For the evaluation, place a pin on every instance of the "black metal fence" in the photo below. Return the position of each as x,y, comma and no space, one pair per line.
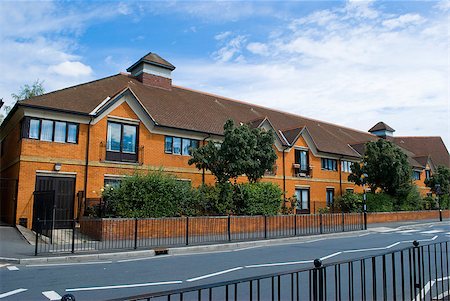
90,234
414,273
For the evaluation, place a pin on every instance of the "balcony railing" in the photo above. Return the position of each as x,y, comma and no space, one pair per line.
302,173
107,156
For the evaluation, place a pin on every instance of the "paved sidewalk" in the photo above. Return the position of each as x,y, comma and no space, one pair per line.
14,248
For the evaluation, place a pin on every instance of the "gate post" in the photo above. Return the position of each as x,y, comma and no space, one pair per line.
73,235
343,222
321,224
135,232
187,230
229,227
265,227
37,237
318,281
417,268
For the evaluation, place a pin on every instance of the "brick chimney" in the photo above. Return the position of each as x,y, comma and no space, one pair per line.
152,70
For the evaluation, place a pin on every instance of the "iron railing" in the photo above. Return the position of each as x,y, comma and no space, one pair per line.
414,273
123,233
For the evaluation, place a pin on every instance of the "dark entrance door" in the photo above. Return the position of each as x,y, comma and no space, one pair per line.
44,212
64,188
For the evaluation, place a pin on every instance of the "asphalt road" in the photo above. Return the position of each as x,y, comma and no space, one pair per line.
113,279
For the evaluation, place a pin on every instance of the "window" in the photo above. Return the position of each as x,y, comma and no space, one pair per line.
330,196
427,174
180,146
168,144
329,164
60,131
301,158
50,130
346,166
35,126
302,196
121,142
112,182
349,190
416,175
47,130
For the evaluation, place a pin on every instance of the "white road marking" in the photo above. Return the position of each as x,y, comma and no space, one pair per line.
12,268
144,258
278,264
214,274
246,248
7,294
431,231
66,264
407,231
421,295
94,288
51,295
331,255
4,265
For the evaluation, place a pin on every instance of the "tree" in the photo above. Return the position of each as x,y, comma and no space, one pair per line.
441,177
25,92
387,168
243,151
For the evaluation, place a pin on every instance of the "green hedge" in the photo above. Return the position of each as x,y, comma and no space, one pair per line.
257,199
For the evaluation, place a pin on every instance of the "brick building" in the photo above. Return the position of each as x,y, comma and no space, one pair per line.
76,140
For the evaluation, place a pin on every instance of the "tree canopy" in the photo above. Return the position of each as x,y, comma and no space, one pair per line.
243,151
440,177
386,167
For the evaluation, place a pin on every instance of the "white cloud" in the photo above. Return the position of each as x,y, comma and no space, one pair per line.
231,47
71,69
403,21
344,66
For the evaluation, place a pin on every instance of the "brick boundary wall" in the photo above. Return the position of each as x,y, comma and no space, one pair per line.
386,217
124,228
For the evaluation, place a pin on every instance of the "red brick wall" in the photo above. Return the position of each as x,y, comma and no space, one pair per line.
385,217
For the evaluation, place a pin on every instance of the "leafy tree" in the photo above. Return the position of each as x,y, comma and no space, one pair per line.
25,92
387,168
441,177
243,151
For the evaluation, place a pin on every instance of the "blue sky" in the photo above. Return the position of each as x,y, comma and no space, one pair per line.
353,63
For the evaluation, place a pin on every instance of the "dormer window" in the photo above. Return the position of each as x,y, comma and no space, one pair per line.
301,164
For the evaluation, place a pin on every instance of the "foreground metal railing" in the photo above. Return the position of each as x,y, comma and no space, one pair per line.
414,273
87,234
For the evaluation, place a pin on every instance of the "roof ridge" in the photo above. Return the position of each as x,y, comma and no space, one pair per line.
417,137
271,109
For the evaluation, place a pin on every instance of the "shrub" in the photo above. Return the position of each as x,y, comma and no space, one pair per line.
429,203
412,201
379,202
152,195
215,200
349,202
257,198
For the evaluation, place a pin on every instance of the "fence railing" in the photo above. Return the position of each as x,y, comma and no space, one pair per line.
414,273
122,233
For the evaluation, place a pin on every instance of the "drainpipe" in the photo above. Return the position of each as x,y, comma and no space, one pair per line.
86,166
203,169
284,175
340,175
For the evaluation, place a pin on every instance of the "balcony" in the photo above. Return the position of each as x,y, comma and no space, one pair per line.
301,173
121,157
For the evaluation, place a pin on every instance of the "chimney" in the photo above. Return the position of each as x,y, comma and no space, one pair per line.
382,130
152,70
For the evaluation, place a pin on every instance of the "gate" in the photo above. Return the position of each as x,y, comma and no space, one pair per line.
64,197
44,212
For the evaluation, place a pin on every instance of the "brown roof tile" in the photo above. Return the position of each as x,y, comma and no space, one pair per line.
153,59
424,146
381,126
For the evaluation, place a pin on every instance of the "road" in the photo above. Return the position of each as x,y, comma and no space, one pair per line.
113,279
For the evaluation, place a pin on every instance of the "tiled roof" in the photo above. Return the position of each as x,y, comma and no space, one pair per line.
424,146
381,126
202,112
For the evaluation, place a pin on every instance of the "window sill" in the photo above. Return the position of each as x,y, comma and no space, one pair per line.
120,162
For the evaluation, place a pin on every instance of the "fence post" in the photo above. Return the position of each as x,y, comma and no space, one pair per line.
343,222
440,214
365,219
187,230
265,227
229,227
318,287
37,237
73,236
295,224
135,232
417,269
320,221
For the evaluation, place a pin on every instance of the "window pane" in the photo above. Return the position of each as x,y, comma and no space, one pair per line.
72,133
305,199
168,145
129,139
47,130
60,131
34,129
303,160
194,145
186,146
114,136
298,195
112,182
177,145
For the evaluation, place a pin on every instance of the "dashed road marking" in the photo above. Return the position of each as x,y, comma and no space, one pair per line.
51,295
66,264
263,265
407,231
432,231
94,288
12,268
214,274
10,293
